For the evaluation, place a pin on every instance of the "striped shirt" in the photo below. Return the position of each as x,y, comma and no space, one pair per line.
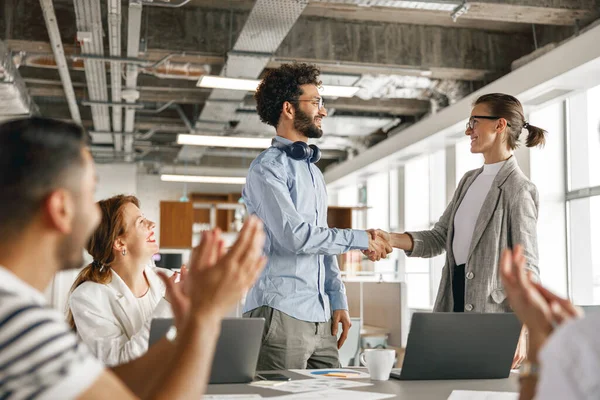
40,357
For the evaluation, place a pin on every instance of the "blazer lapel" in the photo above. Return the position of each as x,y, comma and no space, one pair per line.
491,203
131,318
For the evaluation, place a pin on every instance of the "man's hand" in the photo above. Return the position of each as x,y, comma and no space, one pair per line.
204,256
344,317
216,282
174,294
379,244
521,352
537,308
219,288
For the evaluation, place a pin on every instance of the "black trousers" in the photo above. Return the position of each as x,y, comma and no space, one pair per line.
458,288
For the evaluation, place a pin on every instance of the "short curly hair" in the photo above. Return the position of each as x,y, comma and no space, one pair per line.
281,85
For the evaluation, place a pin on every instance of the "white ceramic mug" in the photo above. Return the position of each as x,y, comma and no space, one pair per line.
379,362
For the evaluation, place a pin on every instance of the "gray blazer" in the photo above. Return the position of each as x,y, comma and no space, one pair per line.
508,216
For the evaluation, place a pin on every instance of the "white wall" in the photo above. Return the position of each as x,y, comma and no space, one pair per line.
115,179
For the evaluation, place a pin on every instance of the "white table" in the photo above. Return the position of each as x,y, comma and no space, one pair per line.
420,390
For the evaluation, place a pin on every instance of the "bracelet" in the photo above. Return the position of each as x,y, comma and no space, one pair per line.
529,370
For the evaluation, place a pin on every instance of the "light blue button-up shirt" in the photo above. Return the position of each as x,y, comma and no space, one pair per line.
302,277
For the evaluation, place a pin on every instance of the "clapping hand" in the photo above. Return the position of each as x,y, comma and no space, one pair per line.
537,308
216,280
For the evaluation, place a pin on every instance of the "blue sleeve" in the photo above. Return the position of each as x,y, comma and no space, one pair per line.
267,191
334,287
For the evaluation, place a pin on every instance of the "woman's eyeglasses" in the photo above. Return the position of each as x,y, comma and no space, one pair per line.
471,123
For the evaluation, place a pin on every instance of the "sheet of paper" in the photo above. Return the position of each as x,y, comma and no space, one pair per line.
480,395
338,373
232,396
310,385
334,394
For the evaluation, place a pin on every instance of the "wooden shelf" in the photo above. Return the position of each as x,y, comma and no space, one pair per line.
176,219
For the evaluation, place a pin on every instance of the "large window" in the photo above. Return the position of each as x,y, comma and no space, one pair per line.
425,201
378,217
547,171
583,197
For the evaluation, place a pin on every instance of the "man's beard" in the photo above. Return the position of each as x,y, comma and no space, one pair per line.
306,126
70,249
70,255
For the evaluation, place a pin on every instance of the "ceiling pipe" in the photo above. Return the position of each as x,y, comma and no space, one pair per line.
88,18
114,43
166,5
59,56
131,94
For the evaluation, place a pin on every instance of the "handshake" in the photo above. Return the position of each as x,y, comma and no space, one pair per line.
379,244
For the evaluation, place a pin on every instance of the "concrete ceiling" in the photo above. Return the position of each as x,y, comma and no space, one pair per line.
408,62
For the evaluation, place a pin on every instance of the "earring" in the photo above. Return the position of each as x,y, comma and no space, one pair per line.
124,252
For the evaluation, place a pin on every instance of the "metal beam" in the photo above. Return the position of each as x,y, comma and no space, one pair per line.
348,11
59,55
151,56
543,12
389,106
147,94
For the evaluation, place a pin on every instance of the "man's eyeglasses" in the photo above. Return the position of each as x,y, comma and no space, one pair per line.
320,103
471,123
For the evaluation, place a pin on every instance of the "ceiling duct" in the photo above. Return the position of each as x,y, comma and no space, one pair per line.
114,43
59,56
89,34
131,94
14,99
267,25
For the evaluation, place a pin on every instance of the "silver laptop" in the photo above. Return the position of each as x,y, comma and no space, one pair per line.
459,346
237,348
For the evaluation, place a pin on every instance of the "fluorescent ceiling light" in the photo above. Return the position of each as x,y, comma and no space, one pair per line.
234,180
250,85
224,141
221,82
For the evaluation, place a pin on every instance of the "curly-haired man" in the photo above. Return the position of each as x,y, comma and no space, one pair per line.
300,294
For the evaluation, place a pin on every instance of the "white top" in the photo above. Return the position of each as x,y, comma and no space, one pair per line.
146,304
570,361
113,322
468,211
40,357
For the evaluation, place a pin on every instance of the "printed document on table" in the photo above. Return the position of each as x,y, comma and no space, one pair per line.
480,395
335,394
311,385
336,373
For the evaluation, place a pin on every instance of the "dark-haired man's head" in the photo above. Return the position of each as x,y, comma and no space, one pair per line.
47,183
289,96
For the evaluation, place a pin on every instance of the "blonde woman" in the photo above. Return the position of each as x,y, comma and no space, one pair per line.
114,298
